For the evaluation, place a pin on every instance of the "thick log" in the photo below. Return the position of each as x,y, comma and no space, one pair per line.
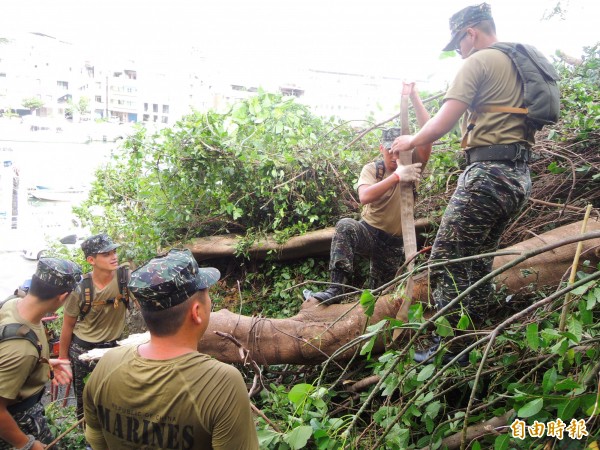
314,243
317,332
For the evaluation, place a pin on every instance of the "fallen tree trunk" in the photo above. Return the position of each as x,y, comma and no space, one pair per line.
317,332
314,243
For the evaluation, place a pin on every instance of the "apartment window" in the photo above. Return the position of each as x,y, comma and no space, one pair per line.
98,99
145,106
154,118
2,75
146,118
63,85
165,109
155,108
165,119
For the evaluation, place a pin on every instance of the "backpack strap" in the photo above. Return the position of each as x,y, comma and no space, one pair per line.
19,331
122,280
379,169
86,295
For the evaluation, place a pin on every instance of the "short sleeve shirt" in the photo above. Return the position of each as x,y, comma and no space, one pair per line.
188,402
488,77
21,374
104,322
384,213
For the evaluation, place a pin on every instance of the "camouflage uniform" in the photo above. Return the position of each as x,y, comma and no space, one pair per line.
98,243
384,251
60,276
488,195
169,280
32,421
131,400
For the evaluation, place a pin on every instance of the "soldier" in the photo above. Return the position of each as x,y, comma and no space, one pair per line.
496,183
94,315
378,235
164,393
24,353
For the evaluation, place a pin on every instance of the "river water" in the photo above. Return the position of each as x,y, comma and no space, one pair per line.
24,164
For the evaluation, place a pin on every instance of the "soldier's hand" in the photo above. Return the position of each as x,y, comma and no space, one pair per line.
402,144
37,445
409,174
63,373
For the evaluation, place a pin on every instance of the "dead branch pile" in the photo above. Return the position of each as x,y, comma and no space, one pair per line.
566,178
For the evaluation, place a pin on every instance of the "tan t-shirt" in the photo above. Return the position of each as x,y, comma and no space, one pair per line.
21,376
383,213
488,77
103,322
188,402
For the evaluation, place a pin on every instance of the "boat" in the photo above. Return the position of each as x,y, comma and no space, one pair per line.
67,194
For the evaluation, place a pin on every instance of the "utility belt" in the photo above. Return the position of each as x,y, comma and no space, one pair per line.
499,152
90,345
24,405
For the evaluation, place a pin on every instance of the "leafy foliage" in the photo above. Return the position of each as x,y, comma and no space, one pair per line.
268,165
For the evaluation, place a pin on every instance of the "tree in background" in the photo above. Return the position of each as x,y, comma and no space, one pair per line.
32,103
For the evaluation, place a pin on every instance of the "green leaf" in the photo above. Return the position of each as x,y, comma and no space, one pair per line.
267,437
501,442
566,385
566,410
549,380
299,392
367,301
531,408
576,329
463,323
443,327
298,437
426,373
533,338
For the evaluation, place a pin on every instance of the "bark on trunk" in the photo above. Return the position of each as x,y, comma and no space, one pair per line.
317,332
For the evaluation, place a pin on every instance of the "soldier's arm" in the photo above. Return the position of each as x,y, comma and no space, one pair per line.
66,334
9,430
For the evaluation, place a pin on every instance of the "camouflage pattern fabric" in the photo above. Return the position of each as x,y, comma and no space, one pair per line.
384,251
389,135
58,272
488,196
465,18
99,243
166,281
32,421
81,369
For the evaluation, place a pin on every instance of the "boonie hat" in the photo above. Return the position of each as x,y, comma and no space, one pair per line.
465,18
166,281
389,135
98,243
59,273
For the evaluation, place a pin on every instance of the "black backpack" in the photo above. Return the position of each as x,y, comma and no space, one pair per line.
541,103
86,291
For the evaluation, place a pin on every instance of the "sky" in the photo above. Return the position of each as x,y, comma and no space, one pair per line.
271,38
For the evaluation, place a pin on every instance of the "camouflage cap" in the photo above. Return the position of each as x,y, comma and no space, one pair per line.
98,243
465,18
59,273
389,135
166,281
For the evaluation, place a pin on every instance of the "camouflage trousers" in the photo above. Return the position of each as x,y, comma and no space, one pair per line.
488,196
384,251
81,369
31,421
